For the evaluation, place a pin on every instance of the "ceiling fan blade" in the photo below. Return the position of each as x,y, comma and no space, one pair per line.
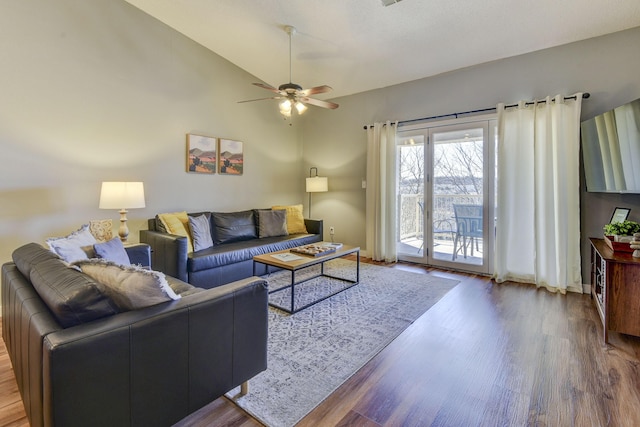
319,103
262,99
315,90
267,87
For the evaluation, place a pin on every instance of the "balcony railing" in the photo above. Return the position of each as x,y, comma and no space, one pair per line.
410,213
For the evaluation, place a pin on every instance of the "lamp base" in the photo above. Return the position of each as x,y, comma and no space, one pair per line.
123,231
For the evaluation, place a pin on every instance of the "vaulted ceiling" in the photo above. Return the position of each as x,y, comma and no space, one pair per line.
358,45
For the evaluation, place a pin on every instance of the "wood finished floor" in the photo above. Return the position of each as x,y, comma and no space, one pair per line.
485,355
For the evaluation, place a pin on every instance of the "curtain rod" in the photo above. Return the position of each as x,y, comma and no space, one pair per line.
585,95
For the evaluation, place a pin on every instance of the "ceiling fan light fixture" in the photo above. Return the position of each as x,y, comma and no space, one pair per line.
301,107
285,108
285,104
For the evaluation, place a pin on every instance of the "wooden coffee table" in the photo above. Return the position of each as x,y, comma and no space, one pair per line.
305,261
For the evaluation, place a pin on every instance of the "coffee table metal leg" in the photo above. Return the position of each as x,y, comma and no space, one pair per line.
293,286
255,265
293,283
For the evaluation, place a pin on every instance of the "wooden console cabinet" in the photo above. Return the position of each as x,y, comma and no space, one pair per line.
615,288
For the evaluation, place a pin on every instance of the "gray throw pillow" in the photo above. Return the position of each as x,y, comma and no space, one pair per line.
159,225
200,232
272,223
131,287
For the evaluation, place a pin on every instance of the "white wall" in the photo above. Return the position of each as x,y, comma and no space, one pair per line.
335,141
94,91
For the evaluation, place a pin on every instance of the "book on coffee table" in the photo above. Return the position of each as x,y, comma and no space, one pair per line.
287,257
314,249
333,245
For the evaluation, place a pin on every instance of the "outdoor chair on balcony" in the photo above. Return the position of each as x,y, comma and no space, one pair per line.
468,229
443,226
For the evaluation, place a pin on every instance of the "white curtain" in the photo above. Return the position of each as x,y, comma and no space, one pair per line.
538,200
381,192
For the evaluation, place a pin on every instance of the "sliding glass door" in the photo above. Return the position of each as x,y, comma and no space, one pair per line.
446,180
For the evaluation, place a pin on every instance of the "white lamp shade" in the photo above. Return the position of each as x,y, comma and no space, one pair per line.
122,195
317,184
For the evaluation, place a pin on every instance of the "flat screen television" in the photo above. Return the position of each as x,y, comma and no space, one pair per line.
611,150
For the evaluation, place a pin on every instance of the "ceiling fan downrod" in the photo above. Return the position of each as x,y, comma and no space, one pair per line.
290,30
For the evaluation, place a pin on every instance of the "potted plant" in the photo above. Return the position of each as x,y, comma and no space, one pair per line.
618,234
622,228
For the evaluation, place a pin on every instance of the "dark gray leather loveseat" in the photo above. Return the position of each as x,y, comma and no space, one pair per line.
230,258
80,362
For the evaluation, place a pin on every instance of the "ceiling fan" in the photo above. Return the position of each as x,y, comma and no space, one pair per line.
291,94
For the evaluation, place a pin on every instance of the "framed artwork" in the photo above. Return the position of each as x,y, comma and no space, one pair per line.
201,154
619,215
231,157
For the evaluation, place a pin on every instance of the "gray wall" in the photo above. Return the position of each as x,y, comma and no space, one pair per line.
607,67
94,91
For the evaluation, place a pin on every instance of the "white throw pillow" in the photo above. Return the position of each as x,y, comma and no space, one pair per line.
71,248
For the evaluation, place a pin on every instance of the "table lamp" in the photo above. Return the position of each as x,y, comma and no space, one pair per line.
123,196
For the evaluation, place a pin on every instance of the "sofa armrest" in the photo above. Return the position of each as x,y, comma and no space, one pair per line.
123,370
168,253
314,226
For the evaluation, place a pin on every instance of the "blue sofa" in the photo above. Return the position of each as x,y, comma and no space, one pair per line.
236,241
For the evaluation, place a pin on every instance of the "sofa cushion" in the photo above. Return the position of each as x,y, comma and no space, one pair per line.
112,250
72,297
295,219
129,287
177,223
271,223
200,232
71,247
233,226
234,252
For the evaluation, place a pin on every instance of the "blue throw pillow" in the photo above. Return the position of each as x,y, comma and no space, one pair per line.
233,226
113,250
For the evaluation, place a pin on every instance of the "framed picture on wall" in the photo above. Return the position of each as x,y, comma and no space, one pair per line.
201,154
619,215
231,157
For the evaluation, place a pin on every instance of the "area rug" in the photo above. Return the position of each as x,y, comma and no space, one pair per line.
312,352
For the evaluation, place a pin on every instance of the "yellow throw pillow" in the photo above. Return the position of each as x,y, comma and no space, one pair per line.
295,219
177,223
